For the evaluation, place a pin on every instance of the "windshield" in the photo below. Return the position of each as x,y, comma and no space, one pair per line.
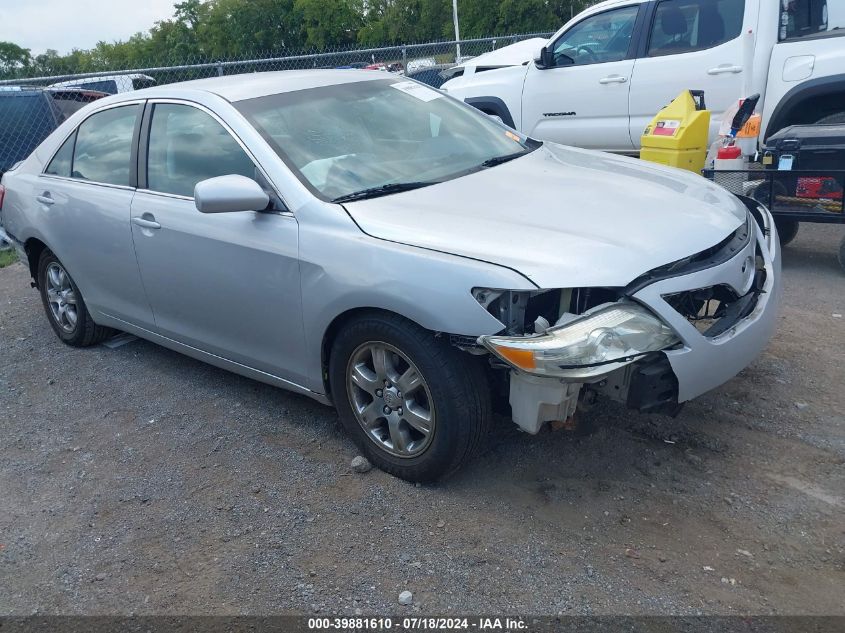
378,135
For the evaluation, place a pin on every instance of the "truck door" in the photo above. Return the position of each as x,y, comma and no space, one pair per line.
582,97
805,80
695,45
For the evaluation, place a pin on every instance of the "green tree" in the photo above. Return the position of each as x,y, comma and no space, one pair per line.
526,16
234,28
329,22
13,58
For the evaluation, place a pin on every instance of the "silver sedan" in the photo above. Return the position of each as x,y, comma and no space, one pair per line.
375,244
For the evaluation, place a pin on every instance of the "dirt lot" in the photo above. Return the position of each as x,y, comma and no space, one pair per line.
136,480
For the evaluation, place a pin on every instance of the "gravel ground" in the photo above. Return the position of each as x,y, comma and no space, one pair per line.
136,480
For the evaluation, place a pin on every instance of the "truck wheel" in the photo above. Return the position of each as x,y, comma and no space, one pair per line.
842,253
837,117
416,406
65,306
787,230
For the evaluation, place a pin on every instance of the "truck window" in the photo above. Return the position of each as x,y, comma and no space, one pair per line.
681,26
604,37
811,18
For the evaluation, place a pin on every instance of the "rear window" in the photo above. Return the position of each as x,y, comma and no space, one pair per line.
69,102
26,119
108,86
811,18
683,26
139,83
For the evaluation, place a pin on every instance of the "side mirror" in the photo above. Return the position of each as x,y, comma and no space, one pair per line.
546,59
227,194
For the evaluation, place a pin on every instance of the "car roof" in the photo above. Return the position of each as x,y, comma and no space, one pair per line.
252,85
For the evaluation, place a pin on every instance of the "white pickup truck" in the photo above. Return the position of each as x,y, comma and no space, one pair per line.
601,78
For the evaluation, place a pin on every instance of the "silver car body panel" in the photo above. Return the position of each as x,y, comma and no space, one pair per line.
563,217
256,292
703,363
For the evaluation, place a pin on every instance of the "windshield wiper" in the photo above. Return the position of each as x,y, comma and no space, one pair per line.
382,190
498,160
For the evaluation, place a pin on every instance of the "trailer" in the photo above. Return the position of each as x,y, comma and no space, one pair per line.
792,196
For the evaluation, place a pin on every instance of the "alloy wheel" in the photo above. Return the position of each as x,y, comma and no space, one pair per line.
61,297
390,399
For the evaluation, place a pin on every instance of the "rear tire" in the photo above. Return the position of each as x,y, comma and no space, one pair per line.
842,254
436,425
64,305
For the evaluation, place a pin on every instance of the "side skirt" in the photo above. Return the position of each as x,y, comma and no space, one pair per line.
211,359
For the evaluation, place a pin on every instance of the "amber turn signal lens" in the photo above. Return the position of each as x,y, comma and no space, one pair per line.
522,358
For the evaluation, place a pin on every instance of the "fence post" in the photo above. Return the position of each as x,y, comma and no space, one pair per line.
405,59
219,69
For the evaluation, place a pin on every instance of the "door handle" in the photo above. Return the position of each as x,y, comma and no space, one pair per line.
45,198
146,224
613,79
727,68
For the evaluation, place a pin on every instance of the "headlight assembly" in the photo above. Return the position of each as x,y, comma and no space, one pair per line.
594,344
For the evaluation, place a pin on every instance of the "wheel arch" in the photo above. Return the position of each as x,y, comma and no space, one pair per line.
336,326
492,105
808,102
34,247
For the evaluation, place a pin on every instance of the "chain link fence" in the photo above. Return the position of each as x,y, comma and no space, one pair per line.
31,107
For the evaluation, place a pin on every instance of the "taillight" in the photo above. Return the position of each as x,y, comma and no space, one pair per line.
2,195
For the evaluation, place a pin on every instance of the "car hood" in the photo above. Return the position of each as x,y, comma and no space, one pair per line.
511,55
563,217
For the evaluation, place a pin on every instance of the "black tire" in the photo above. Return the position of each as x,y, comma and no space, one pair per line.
459,392
83,332
836,117
787,230
842,254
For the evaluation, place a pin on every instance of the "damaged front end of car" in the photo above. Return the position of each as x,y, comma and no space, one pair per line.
668,336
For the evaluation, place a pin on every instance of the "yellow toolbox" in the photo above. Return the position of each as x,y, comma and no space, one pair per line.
678,135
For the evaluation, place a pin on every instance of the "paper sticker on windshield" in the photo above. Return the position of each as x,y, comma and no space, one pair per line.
416,90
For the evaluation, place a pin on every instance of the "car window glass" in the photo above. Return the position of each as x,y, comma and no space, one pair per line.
142,82
68,102
811,18
346,138
681,26
61,163
605,37
187,146
108,86
104,146
26,119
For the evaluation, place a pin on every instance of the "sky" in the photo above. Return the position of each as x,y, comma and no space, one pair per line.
68,24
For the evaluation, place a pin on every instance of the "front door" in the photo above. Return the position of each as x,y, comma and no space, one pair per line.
582,99
225,283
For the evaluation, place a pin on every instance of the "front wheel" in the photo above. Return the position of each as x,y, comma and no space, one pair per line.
65,306
413,404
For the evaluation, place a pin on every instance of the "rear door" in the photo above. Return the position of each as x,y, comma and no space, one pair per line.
583,99
225,283
85,193
690,45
